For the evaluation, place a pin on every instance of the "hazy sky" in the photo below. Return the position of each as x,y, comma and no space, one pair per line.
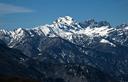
30,13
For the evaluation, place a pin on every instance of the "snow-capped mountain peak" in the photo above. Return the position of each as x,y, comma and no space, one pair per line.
63,27
66,23
64,20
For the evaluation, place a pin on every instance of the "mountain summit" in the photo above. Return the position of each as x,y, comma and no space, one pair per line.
65,20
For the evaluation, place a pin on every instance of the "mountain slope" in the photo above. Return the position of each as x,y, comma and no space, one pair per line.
14,66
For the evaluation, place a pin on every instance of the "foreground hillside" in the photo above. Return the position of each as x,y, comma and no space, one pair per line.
16,67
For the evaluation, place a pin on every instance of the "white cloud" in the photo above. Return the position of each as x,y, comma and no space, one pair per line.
10,9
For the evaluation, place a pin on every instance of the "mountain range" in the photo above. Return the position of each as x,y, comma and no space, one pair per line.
88,51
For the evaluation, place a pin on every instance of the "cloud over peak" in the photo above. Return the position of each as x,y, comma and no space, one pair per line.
11,9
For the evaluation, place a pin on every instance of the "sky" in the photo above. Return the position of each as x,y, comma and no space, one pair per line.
32,13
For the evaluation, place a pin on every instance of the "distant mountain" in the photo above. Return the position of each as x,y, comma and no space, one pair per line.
67,41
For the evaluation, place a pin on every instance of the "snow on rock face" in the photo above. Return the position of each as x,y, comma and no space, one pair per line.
5,35
102,31
45,29
107,42
2,31
18,33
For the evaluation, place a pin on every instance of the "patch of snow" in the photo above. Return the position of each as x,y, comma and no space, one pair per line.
126,28
40,54
107,42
